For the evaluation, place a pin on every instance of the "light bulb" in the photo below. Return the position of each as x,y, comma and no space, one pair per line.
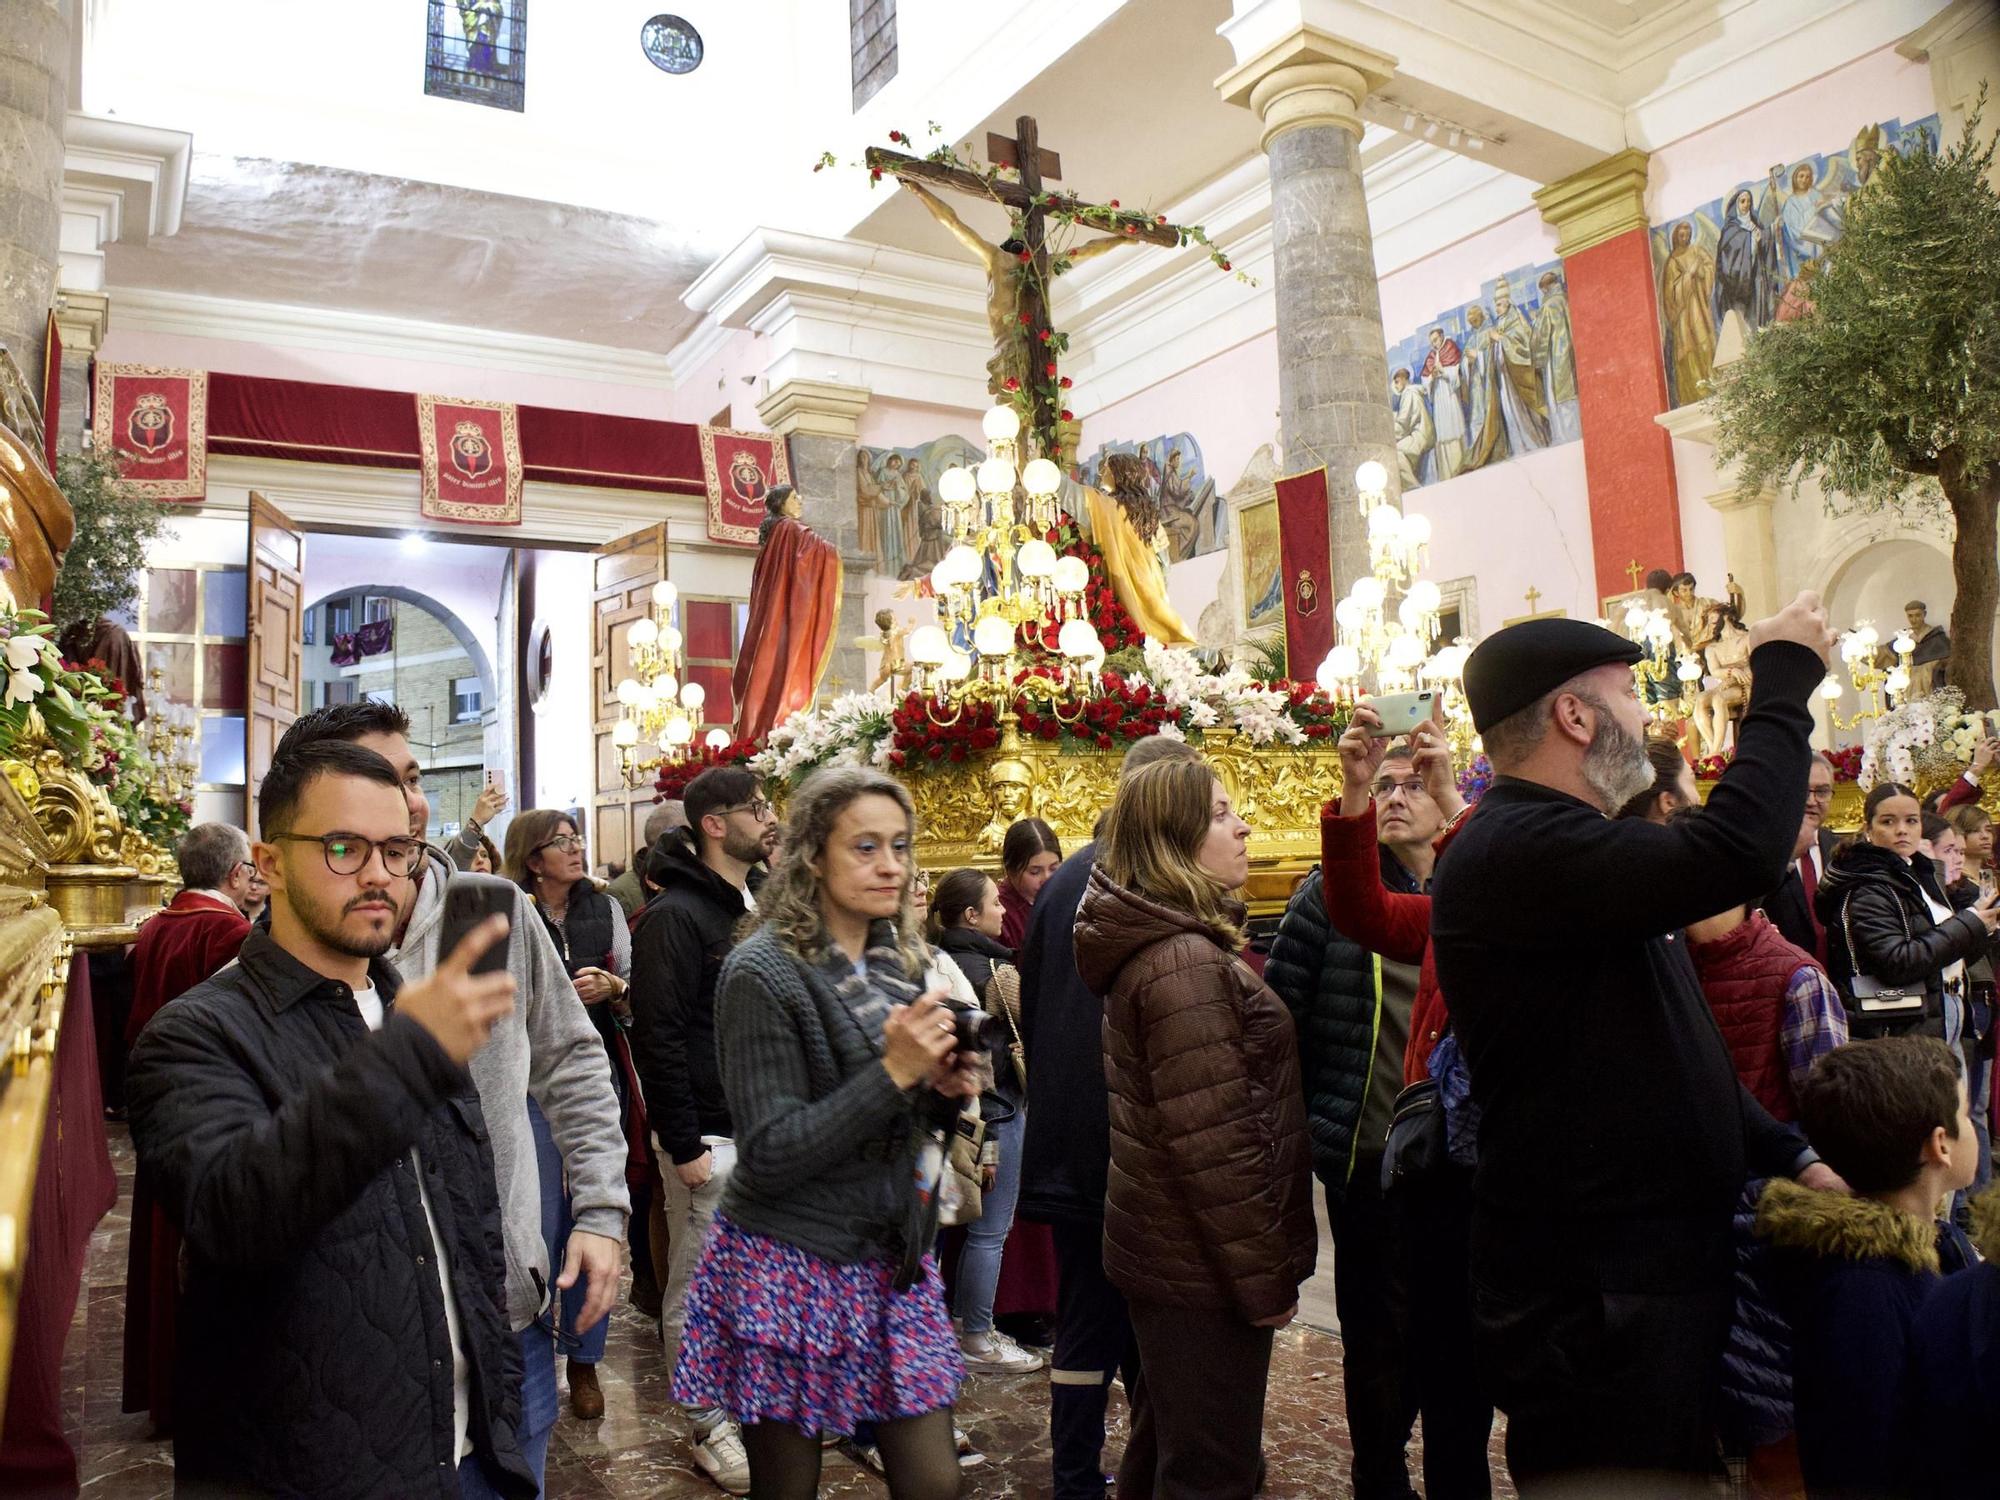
693,695
625,734
927,645
1036,559
1348,614
1426,595
1344,662
993,636
962,564
1369,591
645,632
956,486
670,639
665,594
955,667
1041,477
1635,616
1689,670
1409,613
941,577
1371,478
628,691
1448,665
1897,680
1868,637
1415,530
1904,643
677,732
1072,575
1077,639
1830,689
996,477
1001,424
1383,522
1406,652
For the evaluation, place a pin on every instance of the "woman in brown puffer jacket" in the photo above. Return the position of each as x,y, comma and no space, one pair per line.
1208,1224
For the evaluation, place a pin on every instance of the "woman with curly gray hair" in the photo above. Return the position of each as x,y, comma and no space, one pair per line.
817,1306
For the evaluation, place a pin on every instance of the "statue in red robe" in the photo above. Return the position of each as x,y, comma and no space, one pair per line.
794,607
178,948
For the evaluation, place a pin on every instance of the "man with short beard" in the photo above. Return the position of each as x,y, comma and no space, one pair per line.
1614,1135
313,1132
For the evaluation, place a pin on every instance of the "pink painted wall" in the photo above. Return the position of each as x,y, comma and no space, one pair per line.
1229,403
911,424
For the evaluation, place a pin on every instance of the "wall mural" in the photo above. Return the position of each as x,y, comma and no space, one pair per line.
895,500
1263,584
1752,251
1488,381
1167,473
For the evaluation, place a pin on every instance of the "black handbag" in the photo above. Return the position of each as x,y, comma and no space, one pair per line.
1417,1146
1872,998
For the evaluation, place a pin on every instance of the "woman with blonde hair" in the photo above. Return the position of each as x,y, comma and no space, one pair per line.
817,1307
1208,1224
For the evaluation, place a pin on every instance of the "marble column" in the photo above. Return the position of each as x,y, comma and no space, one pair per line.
1332,386
34,97
1599,216
819,421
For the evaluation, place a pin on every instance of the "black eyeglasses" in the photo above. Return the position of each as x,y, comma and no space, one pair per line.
568,843
349,853
757,807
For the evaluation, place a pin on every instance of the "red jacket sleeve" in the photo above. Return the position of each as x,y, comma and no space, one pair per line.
1390,923
1962,792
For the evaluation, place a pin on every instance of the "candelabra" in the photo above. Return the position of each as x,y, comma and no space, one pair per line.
1001,575
655,706
1389,620
1668,683
168,740
1860,650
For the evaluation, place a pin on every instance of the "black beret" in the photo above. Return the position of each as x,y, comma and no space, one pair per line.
1511,668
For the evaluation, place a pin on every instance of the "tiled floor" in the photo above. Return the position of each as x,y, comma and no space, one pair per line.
639,1448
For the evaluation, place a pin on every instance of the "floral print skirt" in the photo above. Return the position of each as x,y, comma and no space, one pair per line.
777,1334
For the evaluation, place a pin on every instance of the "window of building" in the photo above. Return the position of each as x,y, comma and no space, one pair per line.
467,701
338,690
872,31
374,607
191,628
339,618
476,52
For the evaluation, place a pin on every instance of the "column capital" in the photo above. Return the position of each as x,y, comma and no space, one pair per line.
1308,78
1599,203
814,408
81,319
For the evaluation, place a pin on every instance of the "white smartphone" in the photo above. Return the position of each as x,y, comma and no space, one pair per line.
1401,713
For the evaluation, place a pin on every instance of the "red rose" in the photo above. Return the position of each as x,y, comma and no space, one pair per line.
875,174
1104,742
1065,383
1050,369
897,136
1010,383
1047,334
1129,228
1050,730
1067,416
1026,256
934,750
1114,202
1225,265
1161,219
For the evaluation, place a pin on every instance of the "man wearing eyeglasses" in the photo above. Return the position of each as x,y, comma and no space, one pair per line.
1790,906
197,933
546,1047
316,1138
1352,1007
678,944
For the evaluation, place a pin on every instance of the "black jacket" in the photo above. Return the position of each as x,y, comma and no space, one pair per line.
278,1131
1614,1136
1896,940
1333,989
1786,905
1066,1151
679,941
977,955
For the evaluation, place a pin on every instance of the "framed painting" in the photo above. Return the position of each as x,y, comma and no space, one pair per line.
1263,581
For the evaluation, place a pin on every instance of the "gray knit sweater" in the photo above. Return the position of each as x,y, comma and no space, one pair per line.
825,1145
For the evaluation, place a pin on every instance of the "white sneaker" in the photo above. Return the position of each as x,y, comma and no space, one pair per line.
722,1458
969,1456
996,1354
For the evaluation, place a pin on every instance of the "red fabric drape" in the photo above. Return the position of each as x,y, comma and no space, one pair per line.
1305,571
794,606
74,1188
254,417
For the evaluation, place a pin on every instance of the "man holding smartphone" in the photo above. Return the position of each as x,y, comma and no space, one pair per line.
546,1048
313,1133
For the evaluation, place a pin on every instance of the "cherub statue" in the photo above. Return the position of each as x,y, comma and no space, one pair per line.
895,667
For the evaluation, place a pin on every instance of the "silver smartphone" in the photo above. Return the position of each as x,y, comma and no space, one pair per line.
1401,713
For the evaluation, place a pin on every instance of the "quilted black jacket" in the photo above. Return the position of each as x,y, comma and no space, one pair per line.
314,1358
1329,984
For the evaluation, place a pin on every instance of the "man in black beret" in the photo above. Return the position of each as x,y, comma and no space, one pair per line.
1614,1137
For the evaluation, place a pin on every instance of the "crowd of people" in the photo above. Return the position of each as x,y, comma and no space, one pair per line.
1659,1127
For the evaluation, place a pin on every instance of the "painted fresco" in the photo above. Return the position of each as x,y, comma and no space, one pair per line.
1752,250
1167,473
896,505
1263,585
1486,381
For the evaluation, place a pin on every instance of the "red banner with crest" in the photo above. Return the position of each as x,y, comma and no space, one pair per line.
1305,571
470,456
740,469
156,422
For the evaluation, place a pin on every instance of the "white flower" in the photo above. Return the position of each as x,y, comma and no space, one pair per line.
1172,731
1203,716
23,652
22,685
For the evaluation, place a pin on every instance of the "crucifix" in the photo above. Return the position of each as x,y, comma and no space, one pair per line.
1632,571
1534,597
1018,270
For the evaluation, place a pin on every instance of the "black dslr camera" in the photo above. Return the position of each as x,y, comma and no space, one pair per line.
974,1029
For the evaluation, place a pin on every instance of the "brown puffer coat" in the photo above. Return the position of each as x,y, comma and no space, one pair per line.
1210,1197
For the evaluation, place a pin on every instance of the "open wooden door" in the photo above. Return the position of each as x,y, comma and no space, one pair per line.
276,655
621,592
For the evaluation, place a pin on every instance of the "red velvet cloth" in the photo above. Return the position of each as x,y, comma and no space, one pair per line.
794,607
1305,570
74,1188
178,948
254,417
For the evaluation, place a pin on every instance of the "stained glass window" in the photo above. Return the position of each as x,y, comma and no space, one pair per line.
478,52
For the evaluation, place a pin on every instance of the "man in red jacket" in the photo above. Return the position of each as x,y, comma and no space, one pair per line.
178,948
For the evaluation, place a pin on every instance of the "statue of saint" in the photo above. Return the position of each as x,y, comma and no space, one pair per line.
35,520
1726,654
1003,286
794,607
1933,654
1687,612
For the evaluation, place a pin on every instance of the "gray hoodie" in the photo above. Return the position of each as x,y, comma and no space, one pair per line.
547,1047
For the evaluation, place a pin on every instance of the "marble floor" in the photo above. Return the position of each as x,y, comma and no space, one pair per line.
639,1447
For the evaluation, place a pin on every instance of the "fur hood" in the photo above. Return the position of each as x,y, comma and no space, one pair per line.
1832,1226
1986,1223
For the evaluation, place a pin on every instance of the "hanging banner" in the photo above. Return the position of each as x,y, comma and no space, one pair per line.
740,468
470,456
52,350
156,422
1305,571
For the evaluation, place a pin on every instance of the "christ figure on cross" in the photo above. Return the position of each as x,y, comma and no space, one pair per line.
1003,285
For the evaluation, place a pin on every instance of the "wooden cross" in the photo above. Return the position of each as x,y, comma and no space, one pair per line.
1029,199
1632,571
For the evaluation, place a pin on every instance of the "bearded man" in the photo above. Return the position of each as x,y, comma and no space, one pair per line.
1614,1136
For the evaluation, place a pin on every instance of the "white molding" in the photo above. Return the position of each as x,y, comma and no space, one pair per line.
1693,423
685,359
281,325
146,165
